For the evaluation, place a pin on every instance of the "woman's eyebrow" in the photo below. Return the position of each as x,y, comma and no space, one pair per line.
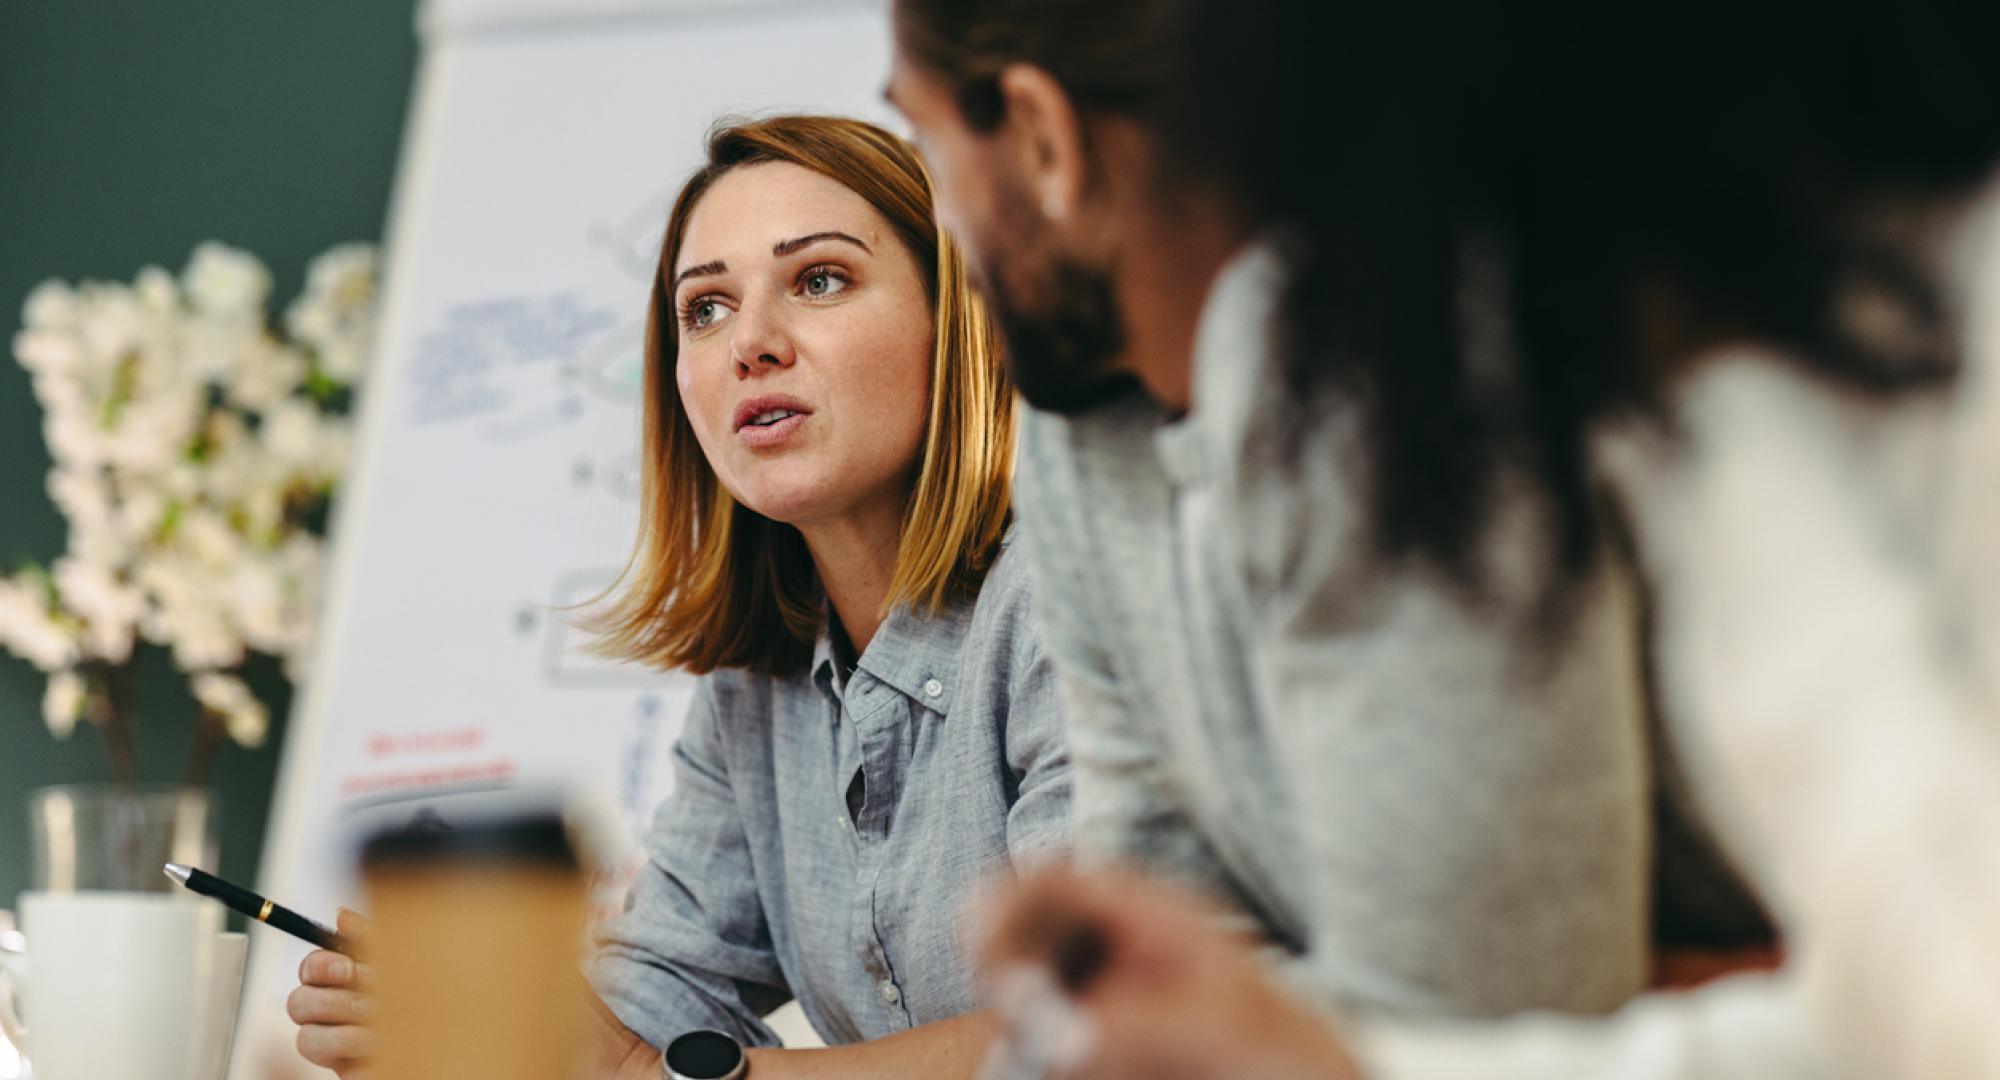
786,247
704,270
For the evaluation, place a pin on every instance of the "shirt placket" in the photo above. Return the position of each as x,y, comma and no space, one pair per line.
871,707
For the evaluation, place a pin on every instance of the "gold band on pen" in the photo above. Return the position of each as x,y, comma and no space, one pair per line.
265,915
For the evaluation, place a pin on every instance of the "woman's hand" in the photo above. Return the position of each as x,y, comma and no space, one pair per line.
1123,977
333,1006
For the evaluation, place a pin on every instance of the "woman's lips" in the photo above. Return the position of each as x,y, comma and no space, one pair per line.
768,419
770,435
763,406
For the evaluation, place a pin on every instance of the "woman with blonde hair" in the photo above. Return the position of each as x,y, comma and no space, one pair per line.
829,438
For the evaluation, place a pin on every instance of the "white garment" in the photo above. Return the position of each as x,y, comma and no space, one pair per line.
1825,568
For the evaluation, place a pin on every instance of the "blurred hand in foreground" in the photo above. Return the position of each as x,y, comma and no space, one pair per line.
1113,975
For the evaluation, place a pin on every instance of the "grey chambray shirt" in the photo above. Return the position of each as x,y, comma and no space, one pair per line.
824,833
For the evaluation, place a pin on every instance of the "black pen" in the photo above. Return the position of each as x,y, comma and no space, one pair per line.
260,909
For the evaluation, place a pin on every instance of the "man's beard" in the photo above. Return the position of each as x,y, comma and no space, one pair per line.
1062,355
1064,338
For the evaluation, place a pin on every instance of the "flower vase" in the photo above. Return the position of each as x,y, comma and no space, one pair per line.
116,837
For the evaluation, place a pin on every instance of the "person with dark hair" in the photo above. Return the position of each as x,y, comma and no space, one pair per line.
1495,302
1429,780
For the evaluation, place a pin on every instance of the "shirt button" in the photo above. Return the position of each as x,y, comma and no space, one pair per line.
889,992
932,688
842,818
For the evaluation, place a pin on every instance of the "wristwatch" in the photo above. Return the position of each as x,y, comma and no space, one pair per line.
705,1055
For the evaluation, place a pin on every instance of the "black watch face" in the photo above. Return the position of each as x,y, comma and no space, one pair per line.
703,1055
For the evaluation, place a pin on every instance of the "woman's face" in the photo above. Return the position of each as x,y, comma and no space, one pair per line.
805,346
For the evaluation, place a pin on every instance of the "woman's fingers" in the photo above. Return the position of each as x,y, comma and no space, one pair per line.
324,967
333,1009
338,1047
353,924
321,1005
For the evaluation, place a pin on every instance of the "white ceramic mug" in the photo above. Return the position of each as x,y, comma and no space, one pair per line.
130,985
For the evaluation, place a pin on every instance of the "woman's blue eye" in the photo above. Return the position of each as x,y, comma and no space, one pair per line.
822,283
700,314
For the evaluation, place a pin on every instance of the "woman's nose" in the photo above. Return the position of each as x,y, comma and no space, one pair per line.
759,344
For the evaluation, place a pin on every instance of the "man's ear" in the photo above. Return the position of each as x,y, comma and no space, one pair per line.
1048,136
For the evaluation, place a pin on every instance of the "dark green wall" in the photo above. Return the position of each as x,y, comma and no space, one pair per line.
130,130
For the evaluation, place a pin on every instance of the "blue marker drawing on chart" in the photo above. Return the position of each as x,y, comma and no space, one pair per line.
491,360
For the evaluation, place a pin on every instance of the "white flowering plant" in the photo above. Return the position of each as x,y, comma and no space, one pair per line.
195,449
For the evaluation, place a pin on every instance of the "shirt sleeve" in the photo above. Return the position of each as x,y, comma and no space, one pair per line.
1123,807
692,949
1038,824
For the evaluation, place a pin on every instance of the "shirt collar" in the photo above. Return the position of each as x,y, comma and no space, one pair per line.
914,651
1234,327
823,659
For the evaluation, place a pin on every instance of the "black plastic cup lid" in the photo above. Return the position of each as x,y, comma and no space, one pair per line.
539,839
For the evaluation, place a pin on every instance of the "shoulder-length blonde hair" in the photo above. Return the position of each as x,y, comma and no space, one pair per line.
712,584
